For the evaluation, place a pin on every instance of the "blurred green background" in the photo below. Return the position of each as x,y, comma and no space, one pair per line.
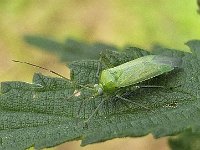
141,23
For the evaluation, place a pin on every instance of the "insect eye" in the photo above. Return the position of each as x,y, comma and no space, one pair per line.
100,91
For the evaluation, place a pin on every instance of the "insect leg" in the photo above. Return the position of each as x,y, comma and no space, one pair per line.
79,110
156,86
93,113
127,100
99,66
77,92
145,86
82,103
149,86
81,107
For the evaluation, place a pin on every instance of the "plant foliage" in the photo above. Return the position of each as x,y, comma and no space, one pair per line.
69,50
45,114
187,140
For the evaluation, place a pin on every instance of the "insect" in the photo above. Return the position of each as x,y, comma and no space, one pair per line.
129,74
134,72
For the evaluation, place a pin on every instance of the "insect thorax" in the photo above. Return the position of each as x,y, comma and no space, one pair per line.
108,80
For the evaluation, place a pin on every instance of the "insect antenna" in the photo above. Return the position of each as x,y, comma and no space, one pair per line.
51,71
37,66
75,92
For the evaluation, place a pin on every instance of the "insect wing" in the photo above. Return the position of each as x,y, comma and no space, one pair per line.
140,69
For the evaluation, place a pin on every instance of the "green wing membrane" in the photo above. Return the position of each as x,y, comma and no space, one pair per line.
137,70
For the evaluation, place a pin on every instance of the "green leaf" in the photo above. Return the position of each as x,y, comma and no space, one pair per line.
187,140
194,45
45,114
69,50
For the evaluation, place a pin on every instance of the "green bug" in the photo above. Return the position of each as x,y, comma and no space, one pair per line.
134,72
129,73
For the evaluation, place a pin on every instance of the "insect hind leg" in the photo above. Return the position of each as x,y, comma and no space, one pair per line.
130,101
93,113
157,86
150,86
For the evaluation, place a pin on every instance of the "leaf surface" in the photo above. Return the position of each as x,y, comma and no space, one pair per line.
45,114
69,50
187,140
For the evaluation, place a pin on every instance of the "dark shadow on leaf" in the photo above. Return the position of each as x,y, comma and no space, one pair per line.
69,50
187,140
